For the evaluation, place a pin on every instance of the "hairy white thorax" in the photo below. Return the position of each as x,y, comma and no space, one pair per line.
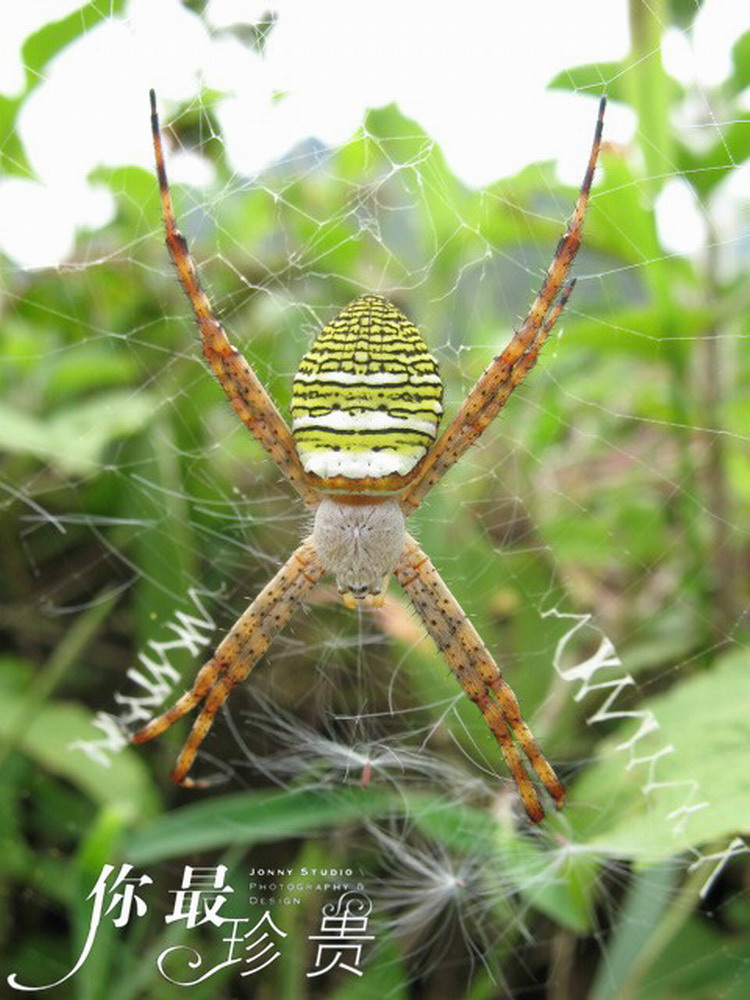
359,543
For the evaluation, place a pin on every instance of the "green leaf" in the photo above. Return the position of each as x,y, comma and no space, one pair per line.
16,854
136,193
633,332
74,439
561,885
167,559
740,76
608,78
13,160
622,220
596,78
684,12
646,901
702,962
695,767
37,51
251,818
46,735
88,367
732,147
670,638
98,848
457,825
42,46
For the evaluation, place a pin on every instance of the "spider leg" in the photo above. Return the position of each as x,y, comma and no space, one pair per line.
237,654
247,396
478,674
508,369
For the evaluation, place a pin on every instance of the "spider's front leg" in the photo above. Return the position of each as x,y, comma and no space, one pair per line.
508,370
237,654
478,674
247,396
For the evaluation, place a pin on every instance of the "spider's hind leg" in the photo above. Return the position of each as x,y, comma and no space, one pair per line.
478,674
237,654
207,676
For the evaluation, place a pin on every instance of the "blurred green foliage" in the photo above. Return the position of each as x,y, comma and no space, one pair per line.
615,483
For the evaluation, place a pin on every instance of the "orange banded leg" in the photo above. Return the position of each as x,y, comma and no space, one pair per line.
478,674
515,376
524,364
508,369
237,654
246,394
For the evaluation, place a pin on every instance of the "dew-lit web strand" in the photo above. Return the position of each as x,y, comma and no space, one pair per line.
508,369
246,394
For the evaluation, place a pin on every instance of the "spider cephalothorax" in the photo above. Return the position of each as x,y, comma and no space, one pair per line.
363,452
359,544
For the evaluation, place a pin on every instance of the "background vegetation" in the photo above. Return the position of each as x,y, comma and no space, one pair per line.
616,483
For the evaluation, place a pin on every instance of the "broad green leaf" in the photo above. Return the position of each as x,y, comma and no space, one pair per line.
424,182
73,439
732,147
702,962
16,854
594,78
167,559
251,818
589,545
45,733
562,884
632,332
644,905
52,38
36,52
684,12
526,209
670,638
137,195
606,78
98,848
693,783
622,220
555,882
89,367
456,826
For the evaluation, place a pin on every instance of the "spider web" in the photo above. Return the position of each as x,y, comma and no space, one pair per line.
594,536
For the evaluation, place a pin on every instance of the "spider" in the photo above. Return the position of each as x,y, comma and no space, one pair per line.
363,452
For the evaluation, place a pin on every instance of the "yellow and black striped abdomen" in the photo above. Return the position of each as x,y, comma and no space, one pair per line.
367,398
